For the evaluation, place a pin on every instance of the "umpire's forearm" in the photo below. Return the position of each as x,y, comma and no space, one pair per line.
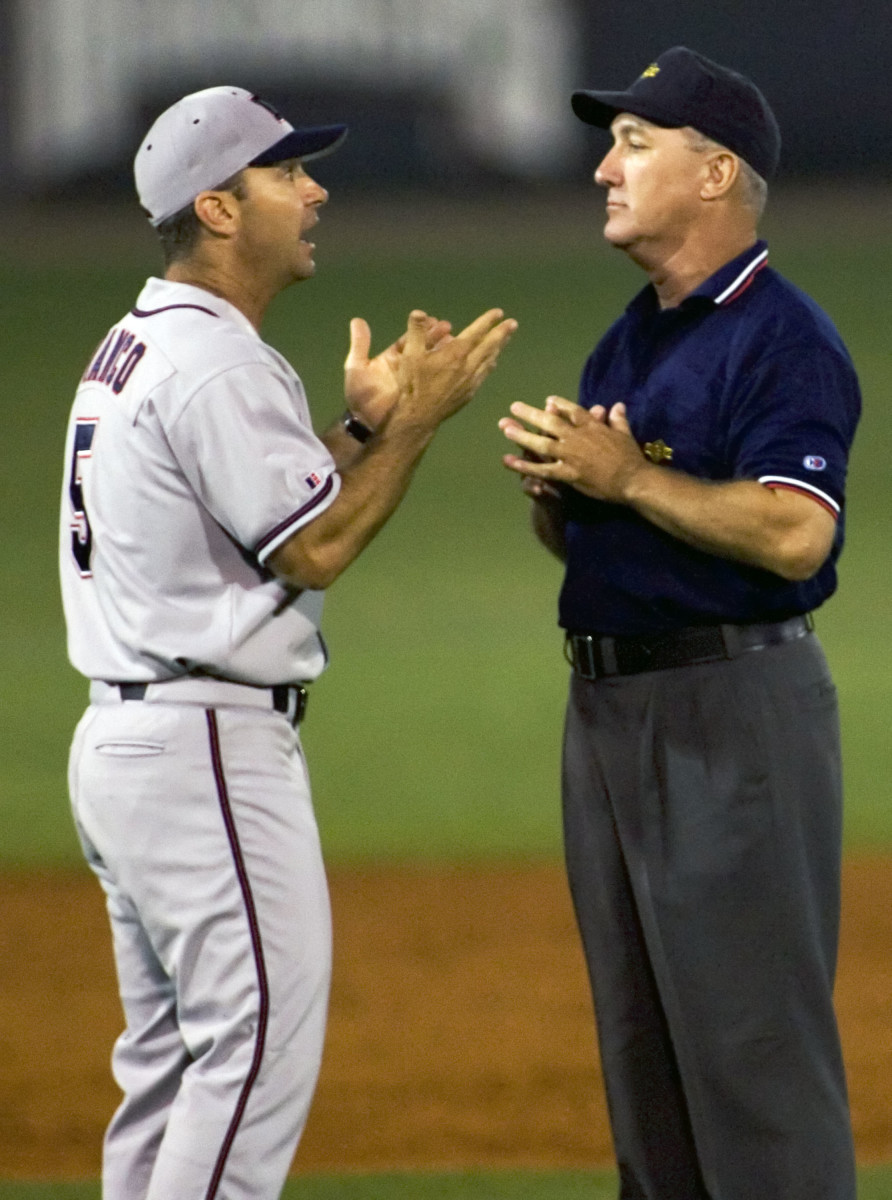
550,524
779,531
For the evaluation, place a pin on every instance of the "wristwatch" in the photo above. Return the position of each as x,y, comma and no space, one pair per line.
355,427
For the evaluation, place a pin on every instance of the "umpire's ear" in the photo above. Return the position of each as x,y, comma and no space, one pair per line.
721,170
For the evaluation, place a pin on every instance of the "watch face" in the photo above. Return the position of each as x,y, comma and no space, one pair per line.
356,429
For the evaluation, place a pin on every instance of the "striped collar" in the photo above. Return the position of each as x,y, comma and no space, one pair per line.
719,290
732,280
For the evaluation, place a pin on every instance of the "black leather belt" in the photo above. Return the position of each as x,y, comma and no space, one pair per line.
594,657
291,699
288,698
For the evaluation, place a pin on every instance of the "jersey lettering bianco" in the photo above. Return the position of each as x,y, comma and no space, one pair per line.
190,458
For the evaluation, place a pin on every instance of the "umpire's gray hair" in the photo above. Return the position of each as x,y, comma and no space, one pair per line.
754,189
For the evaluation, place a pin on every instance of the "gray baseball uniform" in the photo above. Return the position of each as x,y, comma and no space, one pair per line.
190,458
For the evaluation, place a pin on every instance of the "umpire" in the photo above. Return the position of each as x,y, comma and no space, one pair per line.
696,494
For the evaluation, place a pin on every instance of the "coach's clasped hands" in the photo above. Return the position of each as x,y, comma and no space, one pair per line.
428,371
436,381
371,386
592,450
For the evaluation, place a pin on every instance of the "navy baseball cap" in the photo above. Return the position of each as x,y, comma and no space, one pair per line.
684,88
209,136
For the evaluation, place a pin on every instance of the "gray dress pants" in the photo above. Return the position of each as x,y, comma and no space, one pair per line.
702,820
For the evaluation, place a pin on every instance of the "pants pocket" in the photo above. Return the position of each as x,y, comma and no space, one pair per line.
130,749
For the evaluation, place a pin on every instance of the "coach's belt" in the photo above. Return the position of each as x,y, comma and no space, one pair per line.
594,657
290,699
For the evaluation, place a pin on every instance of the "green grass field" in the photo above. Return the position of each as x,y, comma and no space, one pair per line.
436,731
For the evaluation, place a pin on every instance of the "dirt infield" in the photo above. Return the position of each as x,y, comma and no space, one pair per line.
460,1032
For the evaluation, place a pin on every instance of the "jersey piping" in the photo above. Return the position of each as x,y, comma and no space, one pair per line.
283,531
256,947
153,312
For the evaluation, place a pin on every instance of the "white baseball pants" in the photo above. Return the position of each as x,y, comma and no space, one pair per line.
199,825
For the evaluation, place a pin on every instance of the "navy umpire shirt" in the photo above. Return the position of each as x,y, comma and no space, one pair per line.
746,379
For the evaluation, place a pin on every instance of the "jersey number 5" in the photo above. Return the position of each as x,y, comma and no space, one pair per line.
81,535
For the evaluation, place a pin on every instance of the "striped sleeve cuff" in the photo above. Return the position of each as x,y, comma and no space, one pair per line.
806,489
317,503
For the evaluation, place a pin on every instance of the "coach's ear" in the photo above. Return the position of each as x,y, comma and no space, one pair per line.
217,211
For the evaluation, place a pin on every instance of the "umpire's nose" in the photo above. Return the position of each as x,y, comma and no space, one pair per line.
607,171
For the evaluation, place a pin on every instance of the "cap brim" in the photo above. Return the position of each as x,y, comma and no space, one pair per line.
303,143
598,108
601,108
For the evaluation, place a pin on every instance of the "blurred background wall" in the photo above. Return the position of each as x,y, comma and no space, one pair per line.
440,94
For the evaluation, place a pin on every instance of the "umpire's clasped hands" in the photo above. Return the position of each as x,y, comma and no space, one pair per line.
593,451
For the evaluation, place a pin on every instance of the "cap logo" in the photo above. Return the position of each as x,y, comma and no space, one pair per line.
649,73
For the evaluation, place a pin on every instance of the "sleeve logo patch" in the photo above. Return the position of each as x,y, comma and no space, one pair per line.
814,462
313,481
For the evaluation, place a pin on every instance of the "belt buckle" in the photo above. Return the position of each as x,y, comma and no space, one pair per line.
582,652
291,701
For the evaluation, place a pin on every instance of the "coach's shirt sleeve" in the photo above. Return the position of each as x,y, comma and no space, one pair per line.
793,421
245,442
